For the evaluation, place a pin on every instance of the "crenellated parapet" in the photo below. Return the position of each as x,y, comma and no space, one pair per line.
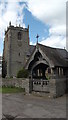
16,28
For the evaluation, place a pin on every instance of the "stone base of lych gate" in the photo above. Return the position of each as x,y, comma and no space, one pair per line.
53,89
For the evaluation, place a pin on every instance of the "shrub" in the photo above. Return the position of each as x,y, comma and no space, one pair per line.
22,73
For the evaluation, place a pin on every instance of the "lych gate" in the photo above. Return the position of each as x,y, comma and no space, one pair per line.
47,69
38,68
39,78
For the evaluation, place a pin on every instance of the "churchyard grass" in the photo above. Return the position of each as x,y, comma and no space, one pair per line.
11,90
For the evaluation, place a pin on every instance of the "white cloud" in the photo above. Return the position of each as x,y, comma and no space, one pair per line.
31,43
58,30
48,11
53,13
55,41
0,54
10,11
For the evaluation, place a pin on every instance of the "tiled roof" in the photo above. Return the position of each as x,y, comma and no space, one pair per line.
31,48
58,56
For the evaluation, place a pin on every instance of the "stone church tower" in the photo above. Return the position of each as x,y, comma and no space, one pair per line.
16,44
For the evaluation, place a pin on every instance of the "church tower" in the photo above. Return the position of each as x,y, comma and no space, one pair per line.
16,44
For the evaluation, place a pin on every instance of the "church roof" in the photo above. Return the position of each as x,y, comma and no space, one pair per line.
31,48
59,57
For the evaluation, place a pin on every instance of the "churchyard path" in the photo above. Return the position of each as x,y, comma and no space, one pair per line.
30,106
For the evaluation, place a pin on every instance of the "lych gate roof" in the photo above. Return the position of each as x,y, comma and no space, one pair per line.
59,57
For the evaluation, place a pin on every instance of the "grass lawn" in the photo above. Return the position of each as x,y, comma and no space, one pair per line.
11,90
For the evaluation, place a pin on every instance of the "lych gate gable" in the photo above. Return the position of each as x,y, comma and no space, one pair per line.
37,57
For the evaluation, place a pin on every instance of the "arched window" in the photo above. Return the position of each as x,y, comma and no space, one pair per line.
19,35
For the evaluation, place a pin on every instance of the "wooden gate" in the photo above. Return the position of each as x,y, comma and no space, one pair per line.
40,85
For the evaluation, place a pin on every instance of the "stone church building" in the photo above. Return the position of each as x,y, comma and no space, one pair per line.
45,64
40,60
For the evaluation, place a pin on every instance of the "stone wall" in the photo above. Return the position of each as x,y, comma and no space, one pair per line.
16,82
57,87
60,87
52,87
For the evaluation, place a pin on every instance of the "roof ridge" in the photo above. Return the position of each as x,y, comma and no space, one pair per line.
51,47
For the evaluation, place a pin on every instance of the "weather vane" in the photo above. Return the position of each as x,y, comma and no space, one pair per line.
37,37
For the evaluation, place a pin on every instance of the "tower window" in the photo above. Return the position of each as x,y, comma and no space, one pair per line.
19,35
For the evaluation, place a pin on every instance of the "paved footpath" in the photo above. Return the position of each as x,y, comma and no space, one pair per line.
29,106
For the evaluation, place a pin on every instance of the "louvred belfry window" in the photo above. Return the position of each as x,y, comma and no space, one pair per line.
19,35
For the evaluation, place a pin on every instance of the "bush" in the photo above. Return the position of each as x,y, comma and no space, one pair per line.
22,73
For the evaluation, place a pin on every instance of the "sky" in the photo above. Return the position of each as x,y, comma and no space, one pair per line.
47,18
